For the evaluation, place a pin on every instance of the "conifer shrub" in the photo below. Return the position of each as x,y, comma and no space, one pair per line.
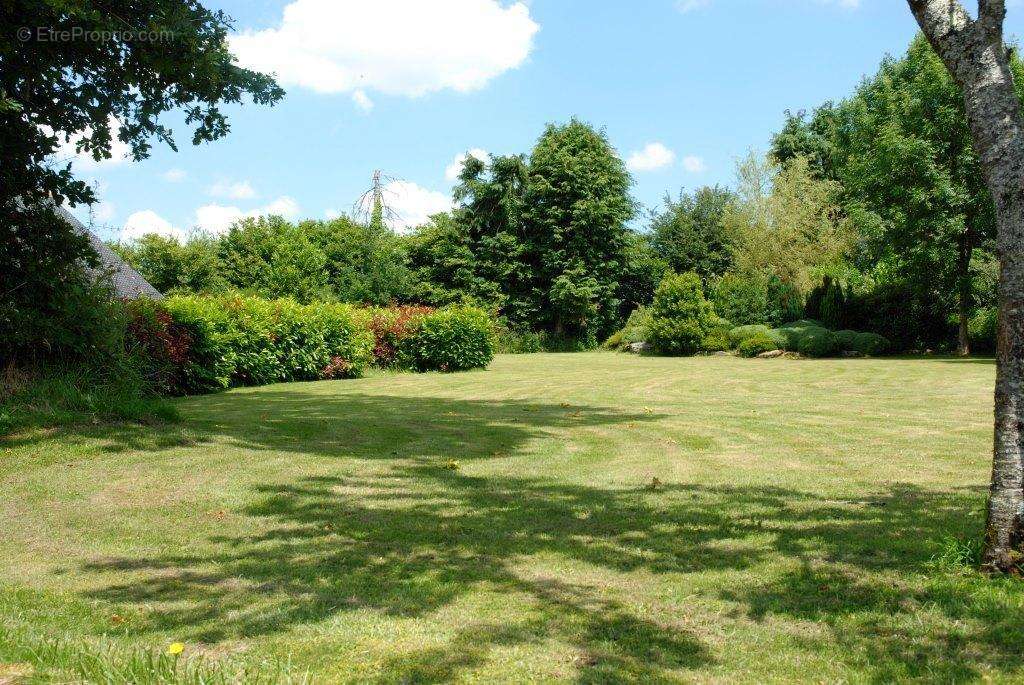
682,320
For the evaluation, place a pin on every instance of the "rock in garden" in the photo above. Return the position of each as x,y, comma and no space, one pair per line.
771,354
639,347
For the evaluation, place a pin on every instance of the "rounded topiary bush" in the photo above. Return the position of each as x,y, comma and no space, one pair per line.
450,339
682,320
871,344
756,344
793,333
818,342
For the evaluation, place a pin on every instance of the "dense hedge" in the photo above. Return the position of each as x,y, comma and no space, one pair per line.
390,326
198,344
241,340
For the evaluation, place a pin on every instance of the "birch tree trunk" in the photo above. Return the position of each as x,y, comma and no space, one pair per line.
975,54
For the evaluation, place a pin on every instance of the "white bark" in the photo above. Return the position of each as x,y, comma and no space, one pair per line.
975,54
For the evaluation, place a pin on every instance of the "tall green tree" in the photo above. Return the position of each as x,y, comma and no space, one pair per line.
169,265
444,266
273,258
489,213
89,92
576,207
364,262
902,148
688,232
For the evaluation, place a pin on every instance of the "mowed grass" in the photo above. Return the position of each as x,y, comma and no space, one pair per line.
506,525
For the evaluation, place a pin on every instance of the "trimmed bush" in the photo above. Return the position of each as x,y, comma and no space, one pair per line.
717,339
756,344
682,320
817,342
871,344
792,333
160,345
454,338
741,299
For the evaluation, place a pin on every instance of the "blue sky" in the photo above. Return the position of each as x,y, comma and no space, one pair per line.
407,85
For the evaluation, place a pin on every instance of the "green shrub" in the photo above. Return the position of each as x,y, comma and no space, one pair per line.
391,325
871,344
511,341
553,342
756,344
682,320
454,338
981,329
717,339
817,342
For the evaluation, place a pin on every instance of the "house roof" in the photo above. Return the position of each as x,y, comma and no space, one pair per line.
127,282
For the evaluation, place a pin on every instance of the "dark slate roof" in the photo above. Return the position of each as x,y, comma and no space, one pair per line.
127,282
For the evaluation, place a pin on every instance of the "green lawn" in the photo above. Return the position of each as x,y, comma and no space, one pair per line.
324,530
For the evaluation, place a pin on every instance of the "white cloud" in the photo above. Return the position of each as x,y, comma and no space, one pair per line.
217,219
240,190
397,47
412,204
653,156
331,213
362,100
694,164
139,224
175,175
66,151
452,171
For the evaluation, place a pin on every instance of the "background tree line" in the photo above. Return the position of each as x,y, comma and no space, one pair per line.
870,213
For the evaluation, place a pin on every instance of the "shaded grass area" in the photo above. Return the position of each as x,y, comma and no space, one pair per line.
607,519
69,394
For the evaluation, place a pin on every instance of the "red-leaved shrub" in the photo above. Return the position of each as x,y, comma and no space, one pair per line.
390,325
160,345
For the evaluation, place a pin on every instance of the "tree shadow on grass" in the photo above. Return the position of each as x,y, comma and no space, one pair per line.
347,424
410,539
426,537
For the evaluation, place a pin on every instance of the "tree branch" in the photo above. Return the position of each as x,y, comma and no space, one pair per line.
991,14
943,20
